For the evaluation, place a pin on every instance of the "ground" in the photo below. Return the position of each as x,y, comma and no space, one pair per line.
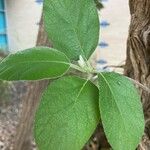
10,108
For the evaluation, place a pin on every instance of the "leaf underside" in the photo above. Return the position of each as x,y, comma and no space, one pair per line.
34,64
68,114
121,111
72,26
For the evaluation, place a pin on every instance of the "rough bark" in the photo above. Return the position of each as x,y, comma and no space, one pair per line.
30,103
138,56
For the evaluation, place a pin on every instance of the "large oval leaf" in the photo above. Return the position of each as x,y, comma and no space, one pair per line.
34,64
67,115
72,25
121,111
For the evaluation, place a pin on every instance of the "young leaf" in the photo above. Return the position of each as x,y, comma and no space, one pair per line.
34,64
68,114
121,111
72,25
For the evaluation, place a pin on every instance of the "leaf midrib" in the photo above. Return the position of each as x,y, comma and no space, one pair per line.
72,105
74,102
80,91
114,99
19,63
27,62
73,29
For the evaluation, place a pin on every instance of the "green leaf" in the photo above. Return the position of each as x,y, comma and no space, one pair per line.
121,111
68,114
73,26
34,64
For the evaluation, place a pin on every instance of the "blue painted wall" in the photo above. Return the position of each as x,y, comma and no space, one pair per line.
3,35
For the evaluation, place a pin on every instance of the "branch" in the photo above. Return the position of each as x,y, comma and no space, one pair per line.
145,88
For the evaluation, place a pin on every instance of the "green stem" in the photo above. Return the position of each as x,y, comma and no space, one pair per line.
77,68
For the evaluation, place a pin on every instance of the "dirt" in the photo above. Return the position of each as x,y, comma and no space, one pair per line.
10,108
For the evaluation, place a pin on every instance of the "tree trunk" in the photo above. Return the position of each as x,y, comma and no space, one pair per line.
138,56
23,136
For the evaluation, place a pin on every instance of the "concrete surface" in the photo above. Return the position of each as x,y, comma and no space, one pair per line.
113,36
22,17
